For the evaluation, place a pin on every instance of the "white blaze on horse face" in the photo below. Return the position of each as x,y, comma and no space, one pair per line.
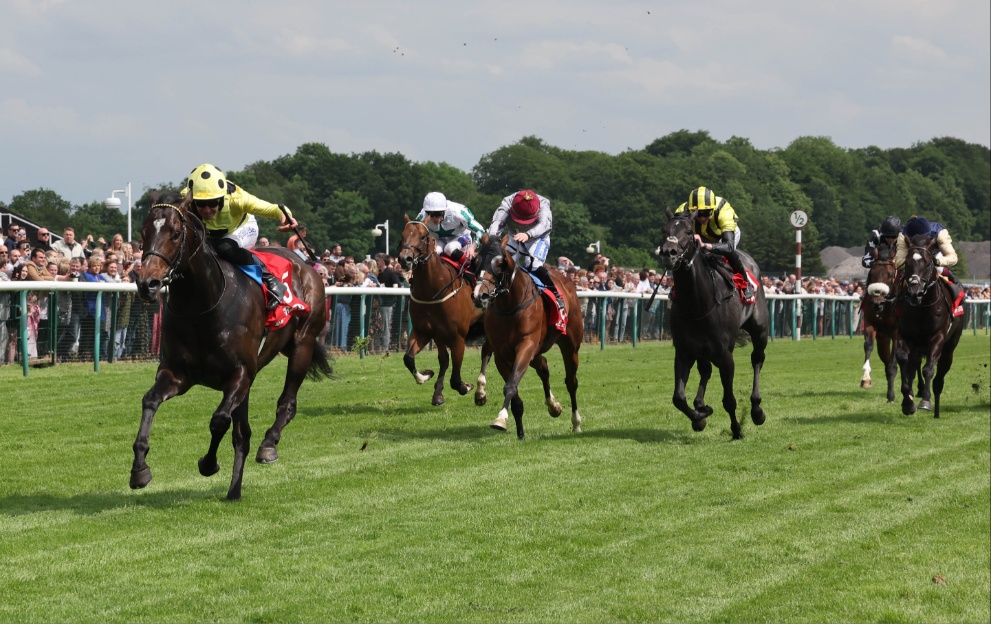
158,223
917,256
878,289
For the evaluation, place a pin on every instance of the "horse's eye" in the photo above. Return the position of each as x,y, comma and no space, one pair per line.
175,235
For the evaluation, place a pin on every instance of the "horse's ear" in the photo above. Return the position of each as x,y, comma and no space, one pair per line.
406,217
694,214
484,240
667,211
505,241
154,196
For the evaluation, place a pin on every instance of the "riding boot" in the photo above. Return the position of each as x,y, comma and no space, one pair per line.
562,316
737,264
276,289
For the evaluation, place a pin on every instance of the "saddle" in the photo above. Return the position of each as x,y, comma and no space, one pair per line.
463,267
556,317
281,268
957,295
723,268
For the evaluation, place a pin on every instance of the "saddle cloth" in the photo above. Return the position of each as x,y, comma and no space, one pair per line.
281,268
556,317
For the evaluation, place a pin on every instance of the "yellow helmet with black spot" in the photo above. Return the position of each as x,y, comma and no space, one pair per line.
207,182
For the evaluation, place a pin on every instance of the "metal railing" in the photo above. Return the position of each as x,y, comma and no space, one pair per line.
104,322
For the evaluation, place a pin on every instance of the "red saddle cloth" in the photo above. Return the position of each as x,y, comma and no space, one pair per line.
290,305
741,285
556,317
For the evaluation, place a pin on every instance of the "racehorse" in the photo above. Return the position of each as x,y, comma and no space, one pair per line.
926,325
518,331
706,320
214,334
880,324
440,309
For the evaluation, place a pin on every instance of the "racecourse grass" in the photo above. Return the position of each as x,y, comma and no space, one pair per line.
838,509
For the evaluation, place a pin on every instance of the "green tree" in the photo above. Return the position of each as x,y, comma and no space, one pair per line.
44,207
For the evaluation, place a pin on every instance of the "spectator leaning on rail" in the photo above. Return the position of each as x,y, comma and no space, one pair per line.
452,224
228,211
884,238
527,216
945,258
717,229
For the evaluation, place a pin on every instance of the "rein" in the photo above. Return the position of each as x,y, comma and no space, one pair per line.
927,284
422,257
683,265
174,263
502,289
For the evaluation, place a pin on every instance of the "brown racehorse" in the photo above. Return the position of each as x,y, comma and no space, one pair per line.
440,309
518,331
880,324
214,335
926,325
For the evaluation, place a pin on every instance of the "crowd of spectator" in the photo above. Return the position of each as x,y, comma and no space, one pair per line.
136,324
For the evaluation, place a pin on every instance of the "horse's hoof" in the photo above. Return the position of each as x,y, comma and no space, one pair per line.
480,399
140,478
738,436
865,383
705,411
555,410
908,408
699,424
422,377
499,424
437,400
234,496
926,405
758,416
465,389
267,455
208,470
520,437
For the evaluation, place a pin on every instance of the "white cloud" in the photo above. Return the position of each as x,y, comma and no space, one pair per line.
14,62
17,116
916,50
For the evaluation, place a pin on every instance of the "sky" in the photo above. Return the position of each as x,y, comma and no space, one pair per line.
98,94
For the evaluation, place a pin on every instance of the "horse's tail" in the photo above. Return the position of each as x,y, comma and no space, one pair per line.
476,329
320,367
742,339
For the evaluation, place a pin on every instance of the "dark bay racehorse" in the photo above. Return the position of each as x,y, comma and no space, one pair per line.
440,309
880,323
214,335
518,332
926,326
706,319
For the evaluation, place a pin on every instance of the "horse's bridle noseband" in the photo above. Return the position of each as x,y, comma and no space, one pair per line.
421,254
173,263
691,248
929,281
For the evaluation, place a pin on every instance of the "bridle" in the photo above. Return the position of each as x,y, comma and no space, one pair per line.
916,278
502,283
421,253
892,294
688,251
173,263
422,257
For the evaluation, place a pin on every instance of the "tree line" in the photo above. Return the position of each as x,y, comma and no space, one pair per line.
619,200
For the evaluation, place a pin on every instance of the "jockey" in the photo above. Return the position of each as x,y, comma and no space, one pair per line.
527,216
945,258
452,224
228,212
717,229
887,233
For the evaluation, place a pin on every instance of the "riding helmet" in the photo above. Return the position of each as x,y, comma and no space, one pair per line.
701,198
434,202
892,226
525,207
917,226
207,182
